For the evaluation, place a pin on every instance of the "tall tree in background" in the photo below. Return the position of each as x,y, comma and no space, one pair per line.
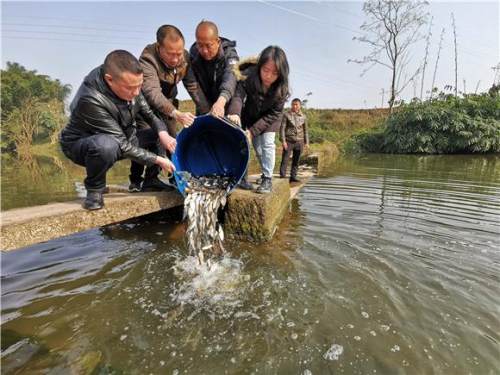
391,29
32,106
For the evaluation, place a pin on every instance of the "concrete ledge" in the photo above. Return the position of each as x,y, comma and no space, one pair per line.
26,226
252,216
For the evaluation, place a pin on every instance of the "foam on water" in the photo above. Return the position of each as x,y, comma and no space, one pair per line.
219,285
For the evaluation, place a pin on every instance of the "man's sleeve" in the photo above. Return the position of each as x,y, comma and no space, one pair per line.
99,121
148,115
306,131
273,114
195,92
228,85
282,129
152,89
236,103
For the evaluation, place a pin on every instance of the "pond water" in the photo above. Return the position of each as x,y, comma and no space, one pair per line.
384,264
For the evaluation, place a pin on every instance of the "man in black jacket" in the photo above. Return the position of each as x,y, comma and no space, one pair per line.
102,127
212,61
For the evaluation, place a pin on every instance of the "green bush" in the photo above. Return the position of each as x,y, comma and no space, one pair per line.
447,124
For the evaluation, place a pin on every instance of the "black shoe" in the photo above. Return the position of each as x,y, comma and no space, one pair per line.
105,190
294,179
266,186
245,185
94,201
281,176
134,187
156,184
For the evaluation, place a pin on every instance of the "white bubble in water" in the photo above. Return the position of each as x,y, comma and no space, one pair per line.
307,372
395,348
233,360
365,314
334,352
162,363
306,311
123,337
373,333
385,327
290,324
357,338
294,336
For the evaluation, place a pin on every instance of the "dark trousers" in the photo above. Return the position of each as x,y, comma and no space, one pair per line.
99,152
148,139
296,149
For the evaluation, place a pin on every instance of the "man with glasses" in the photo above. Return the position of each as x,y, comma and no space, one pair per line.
212,61
165,63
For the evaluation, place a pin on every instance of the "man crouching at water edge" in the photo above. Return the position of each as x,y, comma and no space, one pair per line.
102,127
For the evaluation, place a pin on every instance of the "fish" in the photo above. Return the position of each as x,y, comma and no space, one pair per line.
205,196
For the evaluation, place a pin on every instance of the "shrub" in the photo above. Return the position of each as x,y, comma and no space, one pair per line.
443,125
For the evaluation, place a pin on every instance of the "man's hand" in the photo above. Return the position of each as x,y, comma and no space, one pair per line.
218,107
285,145
184,118
165,164
234,118
167,141
249,135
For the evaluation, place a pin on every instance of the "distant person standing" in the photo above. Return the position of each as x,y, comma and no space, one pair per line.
165,63
258,104
212,61
102,127
294,138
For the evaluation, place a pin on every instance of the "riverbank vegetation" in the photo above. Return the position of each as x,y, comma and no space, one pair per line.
446,124
32,109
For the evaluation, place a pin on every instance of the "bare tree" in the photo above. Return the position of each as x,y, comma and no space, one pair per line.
427,44
437,61
456,52
391,29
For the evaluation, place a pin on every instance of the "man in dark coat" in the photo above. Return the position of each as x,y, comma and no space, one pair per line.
102,128
212,61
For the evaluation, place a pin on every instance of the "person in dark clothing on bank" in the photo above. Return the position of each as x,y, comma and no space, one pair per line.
212,62
258,104
294,138
102,128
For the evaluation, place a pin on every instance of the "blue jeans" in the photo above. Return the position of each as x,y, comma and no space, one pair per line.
265,149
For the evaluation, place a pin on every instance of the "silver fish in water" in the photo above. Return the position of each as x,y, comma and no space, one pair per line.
205,196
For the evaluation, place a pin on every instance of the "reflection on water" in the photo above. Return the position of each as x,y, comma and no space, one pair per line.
45,179
385,265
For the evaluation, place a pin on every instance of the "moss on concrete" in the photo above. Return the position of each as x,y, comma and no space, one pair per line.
252,216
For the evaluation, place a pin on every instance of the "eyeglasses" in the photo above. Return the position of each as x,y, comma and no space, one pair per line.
209,45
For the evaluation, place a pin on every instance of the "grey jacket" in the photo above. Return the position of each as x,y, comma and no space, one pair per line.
294,127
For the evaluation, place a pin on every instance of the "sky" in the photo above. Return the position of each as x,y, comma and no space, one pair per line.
66,40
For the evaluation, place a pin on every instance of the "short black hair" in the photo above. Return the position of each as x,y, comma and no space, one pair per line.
296,100
168,31
120,61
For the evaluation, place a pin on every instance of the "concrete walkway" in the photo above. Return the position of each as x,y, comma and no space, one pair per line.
248,216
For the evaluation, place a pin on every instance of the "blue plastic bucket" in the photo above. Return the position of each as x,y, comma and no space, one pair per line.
211,146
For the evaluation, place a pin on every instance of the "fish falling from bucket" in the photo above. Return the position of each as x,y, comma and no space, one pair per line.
204,197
